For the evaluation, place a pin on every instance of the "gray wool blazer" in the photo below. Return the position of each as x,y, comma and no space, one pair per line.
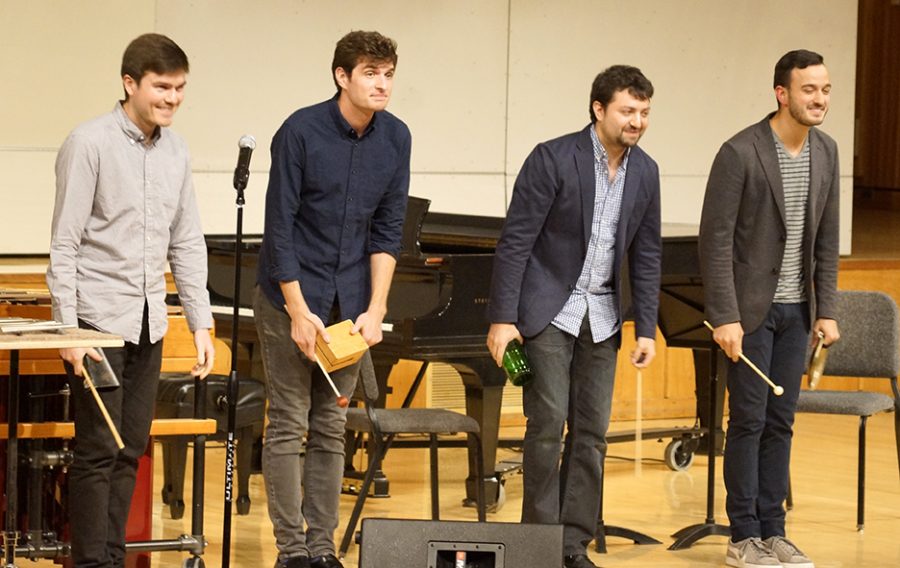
743,231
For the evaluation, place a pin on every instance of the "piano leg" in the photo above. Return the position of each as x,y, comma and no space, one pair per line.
483,404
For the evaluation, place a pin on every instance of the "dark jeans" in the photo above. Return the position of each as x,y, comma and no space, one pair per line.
101,480
760,425
572,387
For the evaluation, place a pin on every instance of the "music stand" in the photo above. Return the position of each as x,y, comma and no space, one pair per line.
603,530
681,315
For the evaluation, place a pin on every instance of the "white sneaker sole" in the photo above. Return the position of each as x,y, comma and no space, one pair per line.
738,563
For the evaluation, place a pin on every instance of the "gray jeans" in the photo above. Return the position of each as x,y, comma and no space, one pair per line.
572,387
303,488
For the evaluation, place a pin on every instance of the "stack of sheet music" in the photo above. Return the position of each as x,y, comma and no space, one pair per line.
22,325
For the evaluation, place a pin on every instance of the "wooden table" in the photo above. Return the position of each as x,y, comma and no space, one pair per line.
62,339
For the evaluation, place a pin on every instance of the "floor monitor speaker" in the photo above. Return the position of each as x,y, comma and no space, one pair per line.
458,544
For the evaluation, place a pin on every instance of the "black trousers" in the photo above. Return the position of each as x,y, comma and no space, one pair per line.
101,479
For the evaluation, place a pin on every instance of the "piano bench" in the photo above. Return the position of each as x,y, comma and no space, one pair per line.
175,399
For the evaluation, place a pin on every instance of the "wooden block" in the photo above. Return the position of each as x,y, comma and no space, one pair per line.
344,349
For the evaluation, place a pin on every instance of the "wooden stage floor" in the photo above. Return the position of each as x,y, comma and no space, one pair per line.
651,499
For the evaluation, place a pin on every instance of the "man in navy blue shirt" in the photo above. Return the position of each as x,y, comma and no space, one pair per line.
335,207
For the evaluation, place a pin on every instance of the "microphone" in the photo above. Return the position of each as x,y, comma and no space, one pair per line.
242,171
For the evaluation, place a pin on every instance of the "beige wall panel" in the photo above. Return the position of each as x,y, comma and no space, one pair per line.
475,194
216,197
60,64
255,63
710,61
27,195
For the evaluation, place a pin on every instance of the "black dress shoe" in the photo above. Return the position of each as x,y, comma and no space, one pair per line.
326,561
578,561
293,562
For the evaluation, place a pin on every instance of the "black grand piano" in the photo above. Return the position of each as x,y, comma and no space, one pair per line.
437,308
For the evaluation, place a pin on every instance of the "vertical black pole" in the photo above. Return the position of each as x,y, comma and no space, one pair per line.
711,437
11,534
232,386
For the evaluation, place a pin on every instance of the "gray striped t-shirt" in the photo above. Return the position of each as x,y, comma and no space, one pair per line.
795,181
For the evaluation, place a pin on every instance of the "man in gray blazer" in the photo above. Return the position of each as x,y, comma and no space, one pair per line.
769,260
580,203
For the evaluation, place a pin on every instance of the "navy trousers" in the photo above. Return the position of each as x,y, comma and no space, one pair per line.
760,425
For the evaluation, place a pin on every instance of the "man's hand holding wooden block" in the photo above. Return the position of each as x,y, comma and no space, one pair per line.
343,350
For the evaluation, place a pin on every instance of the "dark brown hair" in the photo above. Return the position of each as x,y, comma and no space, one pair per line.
360,46
618,78
154,53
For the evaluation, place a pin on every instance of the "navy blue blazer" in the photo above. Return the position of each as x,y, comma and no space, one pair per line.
545,237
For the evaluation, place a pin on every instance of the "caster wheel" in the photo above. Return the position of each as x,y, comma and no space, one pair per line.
677,457
193,562
176,509
243,505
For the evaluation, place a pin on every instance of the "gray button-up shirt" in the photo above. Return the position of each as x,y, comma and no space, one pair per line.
123,209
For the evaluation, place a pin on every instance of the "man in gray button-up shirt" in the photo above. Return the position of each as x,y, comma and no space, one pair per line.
125,206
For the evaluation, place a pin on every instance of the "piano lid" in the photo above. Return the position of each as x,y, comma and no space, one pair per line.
447,233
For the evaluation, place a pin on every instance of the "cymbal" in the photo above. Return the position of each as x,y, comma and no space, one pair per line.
817,362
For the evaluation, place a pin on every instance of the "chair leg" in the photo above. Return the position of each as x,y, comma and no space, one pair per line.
897,431
380,451
435,483
861,477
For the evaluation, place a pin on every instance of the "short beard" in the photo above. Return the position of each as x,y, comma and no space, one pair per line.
798,113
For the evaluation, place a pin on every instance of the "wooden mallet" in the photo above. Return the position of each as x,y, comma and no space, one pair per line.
342,400
112,427
777,389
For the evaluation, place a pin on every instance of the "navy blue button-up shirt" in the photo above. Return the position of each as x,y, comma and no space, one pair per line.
334,198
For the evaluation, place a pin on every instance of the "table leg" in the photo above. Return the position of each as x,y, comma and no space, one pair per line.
11,535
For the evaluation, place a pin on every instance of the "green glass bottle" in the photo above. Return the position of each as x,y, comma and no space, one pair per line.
516,365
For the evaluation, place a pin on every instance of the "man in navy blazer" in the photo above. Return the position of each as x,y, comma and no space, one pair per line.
769,262
582,203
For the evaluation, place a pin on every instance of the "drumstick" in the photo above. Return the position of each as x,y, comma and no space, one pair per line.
342,400
777,389
102,407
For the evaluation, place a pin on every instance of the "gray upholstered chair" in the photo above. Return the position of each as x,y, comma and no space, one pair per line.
869,347
383,424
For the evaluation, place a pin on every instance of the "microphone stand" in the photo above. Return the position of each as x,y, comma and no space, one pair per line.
241,177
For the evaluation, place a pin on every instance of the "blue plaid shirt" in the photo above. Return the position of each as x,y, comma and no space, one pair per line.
594,292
